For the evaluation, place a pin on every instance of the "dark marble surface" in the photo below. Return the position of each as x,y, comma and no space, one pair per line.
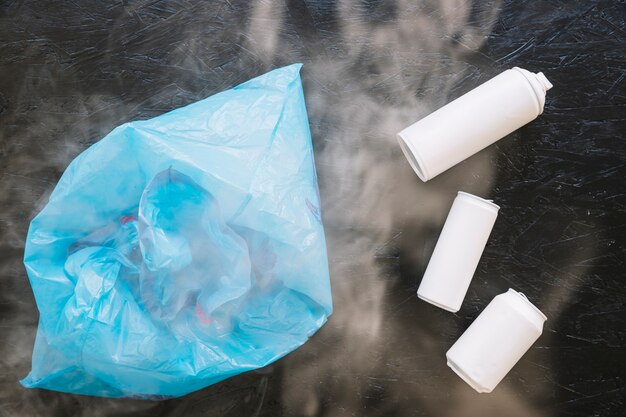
70,71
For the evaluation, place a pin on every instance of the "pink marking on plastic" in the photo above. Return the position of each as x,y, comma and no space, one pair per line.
200,313
127,219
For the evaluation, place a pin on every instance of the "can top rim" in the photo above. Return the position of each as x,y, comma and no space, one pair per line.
480,200
527,302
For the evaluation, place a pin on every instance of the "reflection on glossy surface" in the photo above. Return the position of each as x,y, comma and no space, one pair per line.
71,72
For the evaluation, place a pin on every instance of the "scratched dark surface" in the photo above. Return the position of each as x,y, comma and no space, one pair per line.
70,71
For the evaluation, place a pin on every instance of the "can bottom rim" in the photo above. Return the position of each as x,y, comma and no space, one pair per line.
465,377
413,158
438,304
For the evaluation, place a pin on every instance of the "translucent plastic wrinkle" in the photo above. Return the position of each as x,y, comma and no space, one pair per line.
182,250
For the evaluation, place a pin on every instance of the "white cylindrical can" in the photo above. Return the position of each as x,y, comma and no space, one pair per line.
458,251
496,340
473,121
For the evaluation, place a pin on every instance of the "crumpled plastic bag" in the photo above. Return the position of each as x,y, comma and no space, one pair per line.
182,250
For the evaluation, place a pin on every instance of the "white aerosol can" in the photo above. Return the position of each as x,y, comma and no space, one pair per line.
473,121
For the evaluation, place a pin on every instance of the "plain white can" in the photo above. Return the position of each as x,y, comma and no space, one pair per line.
458,251
473,121
496,340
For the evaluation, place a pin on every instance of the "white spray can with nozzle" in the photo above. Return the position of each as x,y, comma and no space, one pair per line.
473,121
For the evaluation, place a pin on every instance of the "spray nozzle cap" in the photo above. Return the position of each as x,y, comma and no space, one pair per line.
544,81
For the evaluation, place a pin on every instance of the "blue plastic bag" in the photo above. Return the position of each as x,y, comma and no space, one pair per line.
182,250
